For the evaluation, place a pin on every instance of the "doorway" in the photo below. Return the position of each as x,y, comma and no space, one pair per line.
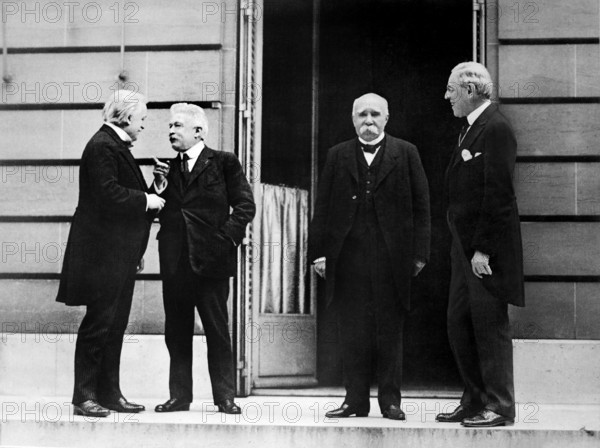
402,50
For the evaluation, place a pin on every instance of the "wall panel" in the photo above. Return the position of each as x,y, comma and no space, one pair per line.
40,248
32,247
534,71
555,129
68,78
549,312
48,190
588,310
527,71
588,188
547,19
545,188
150,22
561,248
29,306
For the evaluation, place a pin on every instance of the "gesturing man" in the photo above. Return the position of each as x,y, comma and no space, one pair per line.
107,240
486,254
369,235
208,205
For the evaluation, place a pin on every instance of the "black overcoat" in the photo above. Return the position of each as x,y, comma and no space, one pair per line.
110,228
482,207
401,201
208,214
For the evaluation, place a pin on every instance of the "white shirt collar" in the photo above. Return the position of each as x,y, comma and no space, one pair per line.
374,142
194,151
120,132
477,112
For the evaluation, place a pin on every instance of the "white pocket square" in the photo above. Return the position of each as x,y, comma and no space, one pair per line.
466,155
477,154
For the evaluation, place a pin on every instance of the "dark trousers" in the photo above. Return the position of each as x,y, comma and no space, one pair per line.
182,294
98,347
370,324
480,338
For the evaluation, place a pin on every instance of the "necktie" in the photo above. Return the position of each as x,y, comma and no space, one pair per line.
370,148
185,169
463,133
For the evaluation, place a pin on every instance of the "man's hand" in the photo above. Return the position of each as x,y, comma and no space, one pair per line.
155,202
320,267
418,265
480,264
161,169
140,266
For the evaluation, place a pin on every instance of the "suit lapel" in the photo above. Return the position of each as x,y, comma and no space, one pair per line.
134,166
203,162
388,162
474,131
350,159
124,151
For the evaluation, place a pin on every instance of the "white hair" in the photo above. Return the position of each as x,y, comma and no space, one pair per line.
195,113
476,74
120,105
371,96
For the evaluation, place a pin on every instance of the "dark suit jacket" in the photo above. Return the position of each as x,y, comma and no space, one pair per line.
401,198
209,215
482,207
110,228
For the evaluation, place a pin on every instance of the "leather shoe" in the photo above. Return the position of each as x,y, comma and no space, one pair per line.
456,416
486,419
122,405
347,411
173,405
393,412
90,408
229,407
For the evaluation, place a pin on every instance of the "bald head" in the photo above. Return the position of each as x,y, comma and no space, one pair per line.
370,115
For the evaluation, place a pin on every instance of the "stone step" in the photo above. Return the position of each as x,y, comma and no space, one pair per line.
290,422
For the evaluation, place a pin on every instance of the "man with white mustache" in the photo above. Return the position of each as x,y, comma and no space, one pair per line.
369,236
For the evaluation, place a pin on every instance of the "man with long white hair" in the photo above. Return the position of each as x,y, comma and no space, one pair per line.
107,240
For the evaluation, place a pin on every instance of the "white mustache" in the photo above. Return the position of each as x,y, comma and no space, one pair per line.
371,128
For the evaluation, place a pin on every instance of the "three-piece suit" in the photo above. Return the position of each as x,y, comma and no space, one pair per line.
371,222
